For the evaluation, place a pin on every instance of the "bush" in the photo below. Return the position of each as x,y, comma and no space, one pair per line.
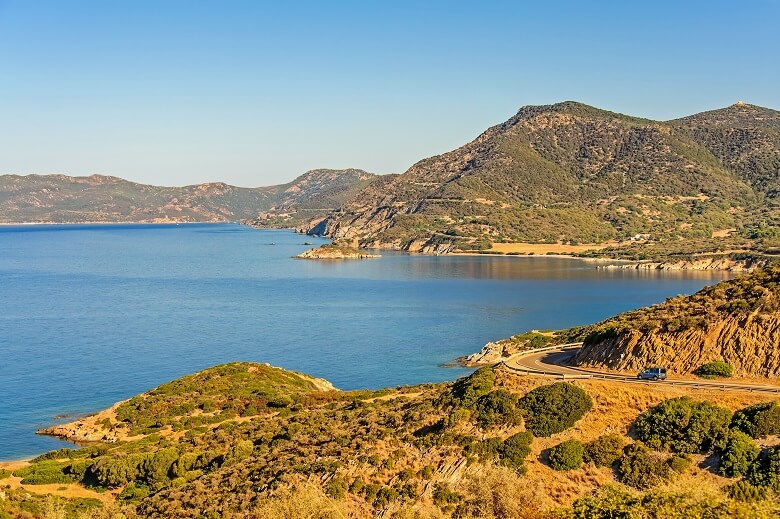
716,369
639,468
679,464
759,420
113,472
604,450
466,391
554,408
43,473
336,488
567,455
765,471
607,502
684,425
444,497
498,407
739,455
4,473
514,450
744,491
239,452
55,455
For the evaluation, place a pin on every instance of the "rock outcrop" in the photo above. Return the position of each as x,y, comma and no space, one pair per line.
334,252
737,321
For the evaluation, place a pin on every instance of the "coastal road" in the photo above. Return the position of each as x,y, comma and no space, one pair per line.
556,362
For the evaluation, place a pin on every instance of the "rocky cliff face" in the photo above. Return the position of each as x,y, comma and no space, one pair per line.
568,172
737,321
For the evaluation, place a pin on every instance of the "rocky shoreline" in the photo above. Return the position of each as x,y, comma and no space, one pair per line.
332,252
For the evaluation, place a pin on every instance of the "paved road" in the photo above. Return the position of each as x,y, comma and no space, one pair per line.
555,363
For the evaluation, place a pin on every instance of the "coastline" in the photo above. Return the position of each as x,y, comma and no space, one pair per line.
712,262
54,224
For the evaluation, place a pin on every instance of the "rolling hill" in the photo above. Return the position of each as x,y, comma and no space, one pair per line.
99,198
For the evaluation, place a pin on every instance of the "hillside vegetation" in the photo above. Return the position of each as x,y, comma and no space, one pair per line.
99,198
736,322
248,440
571,173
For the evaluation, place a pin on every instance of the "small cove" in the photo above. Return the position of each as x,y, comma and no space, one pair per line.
93,314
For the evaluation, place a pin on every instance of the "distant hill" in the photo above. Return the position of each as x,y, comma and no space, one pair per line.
737,321
98,198
315,193
571,173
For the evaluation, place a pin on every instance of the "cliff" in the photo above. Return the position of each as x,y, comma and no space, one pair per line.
737,321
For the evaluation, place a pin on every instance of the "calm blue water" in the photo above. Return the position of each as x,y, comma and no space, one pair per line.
94,314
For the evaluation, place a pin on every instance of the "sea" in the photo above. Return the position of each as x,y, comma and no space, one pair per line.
94,314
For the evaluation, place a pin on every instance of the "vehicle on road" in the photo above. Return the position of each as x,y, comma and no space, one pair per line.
652,374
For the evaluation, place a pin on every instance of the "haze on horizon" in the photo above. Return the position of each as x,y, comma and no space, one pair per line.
179,92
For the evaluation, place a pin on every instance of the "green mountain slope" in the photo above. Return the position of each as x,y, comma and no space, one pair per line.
562,173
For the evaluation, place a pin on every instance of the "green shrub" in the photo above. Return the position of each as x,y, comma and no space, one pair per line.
567,455
679,464
113,472
444,497
515,449
4,473
239,452
336,488
604,450
759,420
745,491
684,425
498,407
739,454
554,408
466,391
55,455
607,502
44,473
156,468
716,369
640,468
765,471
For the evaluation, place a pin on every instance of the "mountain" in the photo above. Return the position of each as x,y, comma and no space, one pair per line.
99,198
737,321
571,173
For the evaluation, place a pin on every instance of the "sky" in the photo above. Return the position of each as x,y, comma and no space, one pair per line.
255,93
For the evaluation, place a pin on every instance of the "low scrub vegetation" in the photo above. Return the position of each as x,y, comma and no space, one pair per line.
685,426
716,369
554,408
605,450
759,420
567,455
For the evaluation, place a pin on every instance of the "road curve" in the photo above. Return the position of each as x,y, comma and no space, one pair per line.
555,362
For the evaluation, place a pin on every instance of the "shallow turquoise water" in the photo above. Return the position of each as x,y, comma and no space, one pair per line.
90,315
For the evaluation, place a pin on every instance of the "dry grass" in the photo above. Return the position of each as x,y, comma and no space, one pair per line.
544,248
615,407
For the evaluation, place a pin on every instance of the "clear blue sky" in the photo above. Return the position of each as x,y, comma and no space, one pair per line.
254,93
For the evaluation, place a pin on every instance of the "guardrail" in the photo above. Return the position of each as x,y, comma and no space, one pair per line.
588,374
